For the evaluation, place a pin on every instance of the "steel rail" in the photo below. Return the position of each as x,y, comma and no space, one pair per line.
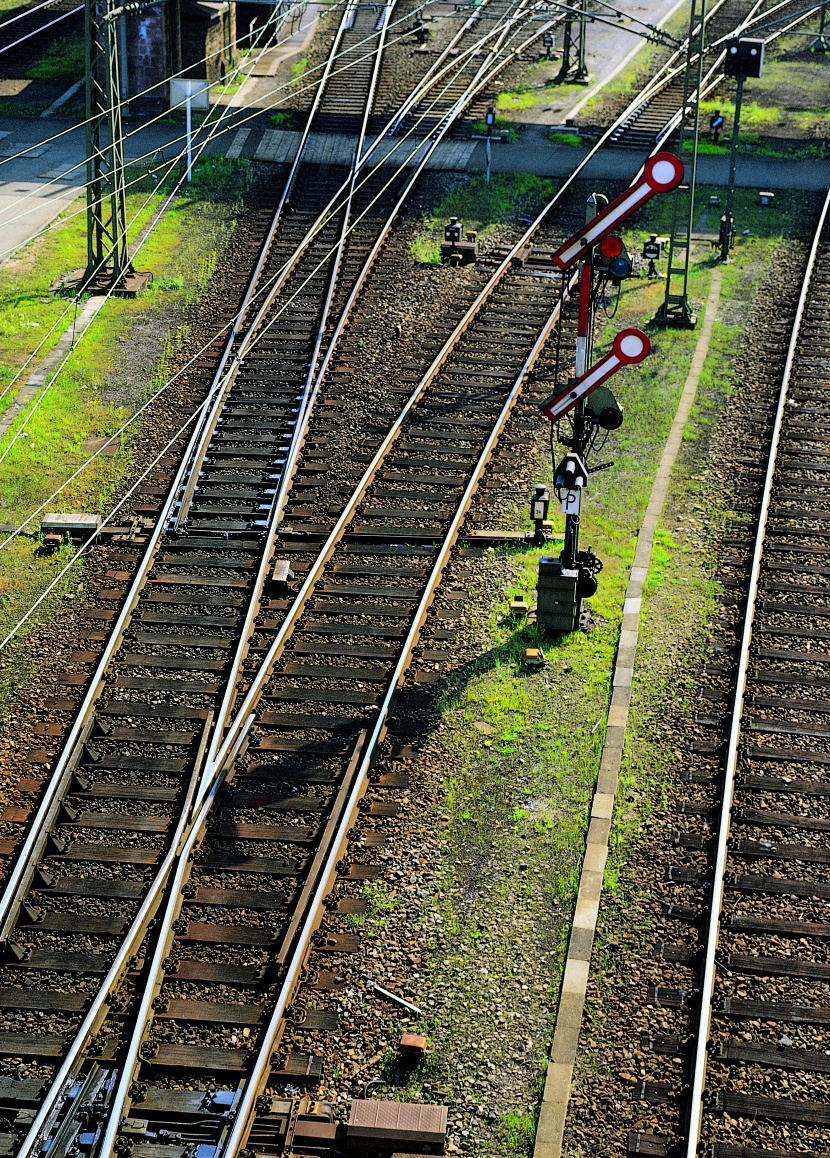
202,807
719,879
42,29
186,831
49,1107
28,12
659,82
333,206
261,1067
308,394
234,741
345,517
220,386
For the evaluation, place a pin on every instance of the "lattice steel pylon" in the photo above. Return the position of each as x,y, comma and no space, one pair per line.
574,68
108,260
675,309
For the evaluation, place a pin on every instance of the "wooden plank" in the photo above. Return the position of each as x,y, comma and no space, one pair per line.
49,999
161,711
274,866
762,817
779,966
200,1057
119,822
172,662
294,721
47,959
31,1045
778,784
769,851
284,833
331,671
203,932
213,1012
108,854
89,887
279,802
76,923
216,971
324,696
778,1109
783,1057
310,747
743,924
151,736
150,792
777,1011
93,760
239,898
779,886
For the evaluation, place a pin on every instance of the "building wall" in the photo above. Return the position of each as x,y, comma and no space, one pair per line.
208,34
149,57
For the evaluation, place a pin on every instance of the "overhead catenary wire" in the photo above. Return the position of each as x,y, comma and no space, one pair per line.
111,289
153,152
362,159
150,401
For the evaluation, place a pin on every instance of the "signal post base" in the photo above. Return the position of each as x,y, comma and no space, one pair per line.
129,285
676,319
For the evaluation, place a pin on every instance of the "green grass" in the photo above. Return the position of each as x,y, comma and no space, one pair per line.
507,197
572,139
64,59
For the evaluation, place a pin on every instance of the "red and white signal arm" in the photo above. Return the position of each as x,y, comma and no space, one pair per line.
661,173
629,346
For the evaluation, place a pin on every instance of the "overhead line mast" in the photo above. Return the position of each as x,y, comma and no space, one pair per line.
675,309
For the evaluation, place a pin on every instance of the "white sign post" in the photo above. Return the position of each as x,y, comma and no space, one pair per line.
193,94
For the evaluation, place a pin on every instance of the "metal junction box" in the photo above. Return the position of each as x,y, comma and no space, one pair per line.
557,605
405,1127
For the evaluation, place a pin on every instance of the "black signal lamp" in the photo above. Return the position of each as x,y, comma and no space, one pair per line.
604,408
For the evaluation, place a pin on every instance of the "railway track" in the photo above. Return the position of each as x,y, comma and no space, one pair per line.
760,1052
744,1004
125,798
207,794
654,115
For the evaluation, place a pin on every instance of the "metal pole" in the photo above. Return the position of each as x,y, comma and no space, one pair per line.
188,129
733,165
488,150
581,61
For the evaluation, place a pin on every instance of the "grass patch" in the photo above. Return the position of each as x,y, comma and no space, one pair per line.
99,387
571,139
508,197
64,59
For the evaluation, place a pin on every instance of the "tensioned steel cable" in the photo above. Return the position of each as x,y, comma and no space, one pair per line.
153,152
148,403
112,288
